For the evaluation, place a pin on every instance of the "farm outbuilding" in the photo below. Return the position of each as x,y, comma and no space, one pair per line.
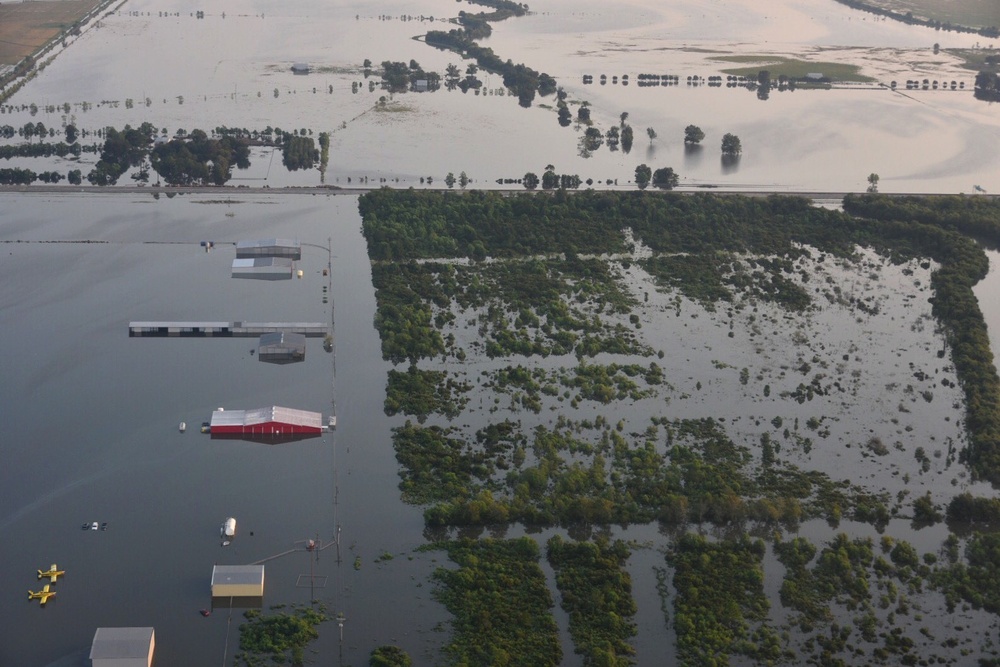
290,248
265,422
123,647
282,347
238,581
263,268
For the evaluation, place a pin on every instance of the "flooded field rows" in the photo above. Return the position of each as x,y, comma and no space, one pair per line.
791,422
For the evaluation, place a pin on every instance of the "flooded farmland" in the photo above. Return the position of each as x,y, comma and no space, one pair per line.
92,427
233,68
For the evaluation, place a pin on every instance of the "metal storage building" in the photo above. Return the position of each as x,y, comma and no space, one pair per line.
238,581
282,347
263,268
123,647
288,248
272,421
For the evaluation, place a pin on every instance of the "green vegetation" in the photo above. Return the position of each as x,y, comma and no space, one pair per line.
937,228
198,160
849,578
413,224
693,135
121,151
530,308
974,17
389,656
703,476
596,592
731,145
420,393
522,80
975,582
278,638
299,152
720,609
500,603
792,68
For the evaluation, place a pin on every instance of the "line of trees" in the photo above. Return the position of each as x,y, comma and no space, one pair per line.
521,79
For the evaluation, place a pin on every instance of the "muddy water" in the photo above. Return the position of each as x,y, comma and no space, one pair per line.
227,71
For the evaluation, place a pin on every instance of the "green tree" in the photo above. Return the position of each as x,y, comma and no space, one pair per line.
550,179
665,178
652,134
449,180
731,145
71,134
643,174
75,177
389,656
463,180
873,182
693,134
565,117
530,180
627,138
583,114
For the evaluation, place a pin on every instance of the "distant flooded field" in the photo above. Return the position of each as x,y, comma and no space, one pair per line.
972,13
934,140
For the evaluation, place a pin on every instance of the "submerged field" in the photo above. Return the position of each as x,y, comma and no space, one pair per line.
722,364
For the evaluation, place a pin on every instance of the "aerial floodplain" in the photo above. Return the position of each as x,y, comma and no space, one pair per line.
591,372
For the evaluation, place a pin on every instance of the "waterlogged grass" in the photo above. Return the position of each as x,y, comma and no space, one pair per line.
500,604
566,475
793,68
278,638
422,392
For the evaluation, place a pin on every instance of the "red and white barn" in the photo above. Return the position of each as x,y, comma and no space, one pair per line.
267,422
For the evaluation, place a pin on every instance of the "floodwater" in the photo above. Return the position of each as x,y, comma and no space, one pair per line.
232,68
91,429
91,415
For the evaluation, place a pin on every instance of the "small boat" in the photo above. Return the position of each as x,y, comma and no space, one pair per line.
93,526
104,526
183,427
205,612
86,526
228,531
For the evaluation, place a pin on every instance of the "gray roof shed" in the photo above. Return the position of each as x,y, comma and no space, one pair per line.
123,647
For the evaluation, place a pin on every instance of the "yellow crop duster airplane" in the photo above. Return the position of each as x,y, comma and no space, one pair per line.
42,596
52,573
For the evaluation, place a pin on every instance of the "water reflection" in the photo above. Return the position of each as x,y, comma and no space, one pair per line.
730,164
693,155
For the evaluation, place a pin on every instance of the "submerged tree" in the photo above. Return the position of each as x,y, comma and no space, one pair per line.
873,182
731,145
693,134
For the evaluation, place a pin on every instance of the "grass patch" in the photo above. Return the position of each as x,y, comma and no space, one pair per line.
793,68
976,59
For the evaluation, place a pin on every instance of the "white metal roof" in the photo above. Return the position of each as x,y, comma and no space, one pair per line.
263,415
237,574
269,243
